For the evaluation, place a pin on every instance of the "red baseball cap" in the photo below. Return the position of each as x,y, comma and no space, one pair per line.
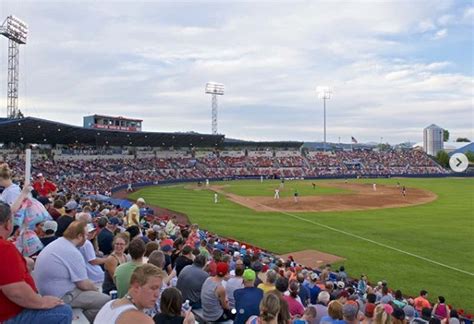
222,269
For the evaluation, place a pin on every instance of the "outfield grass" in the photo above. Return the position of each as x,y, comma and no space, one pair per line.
441,231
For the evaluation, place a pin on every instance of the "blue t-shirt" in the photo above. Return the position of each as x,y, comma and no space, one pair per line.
304,295
313,293
247,301
328,320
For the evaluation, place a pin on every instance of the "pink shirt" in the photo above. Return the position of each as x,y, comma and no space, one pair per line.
294,306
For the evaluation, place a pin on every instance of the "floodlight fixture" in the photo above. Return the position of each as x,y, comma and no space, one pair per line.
16,31
215,89
324,93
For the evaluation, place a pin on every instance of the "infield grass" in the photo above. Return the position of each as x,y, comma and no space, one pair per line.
441,231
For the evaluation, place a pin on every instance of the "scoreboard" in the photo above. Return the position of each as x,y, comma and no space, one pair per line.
113,123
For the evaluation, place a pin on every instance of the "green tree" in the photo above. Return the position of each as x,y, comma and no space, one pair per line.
462,139
442,158
445,135
470,156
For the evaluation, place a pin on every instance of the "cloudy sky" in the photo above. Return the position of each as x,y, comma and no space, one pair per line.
394,67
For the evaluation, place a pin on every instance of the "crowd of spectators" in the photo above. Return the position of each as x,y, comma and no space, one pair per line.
121,266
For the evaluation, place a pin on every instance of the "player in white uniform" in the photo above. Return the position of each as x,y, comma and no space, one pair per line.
129,187
207,182
261,179
277,194
374,186
216,198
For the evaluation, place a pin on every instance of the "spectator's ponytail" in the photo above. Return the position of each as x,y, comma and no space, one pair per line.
269,307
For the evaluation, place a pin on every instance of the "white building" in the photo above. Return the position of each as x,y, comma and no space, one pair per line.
433,139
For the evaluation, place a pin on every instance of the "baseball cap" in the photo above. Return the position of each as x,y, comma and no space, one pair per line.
105,212
409,311
156,228
314,276
398,313
349,311
166,248
40,175
388,309
114,220
141,200
249,275
340,285
236,254
222,269
257,266
50,225
71,205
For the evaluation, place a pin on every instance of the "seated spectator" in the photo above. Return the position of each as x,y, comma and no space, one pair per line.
382,314
248,298
93,263
60,271
191,280
124,271
171,309
49,229
203,249
440,309
193,238
269,309
57,209
164,239
142,293
149,248
269,283
303,293
281,287
322,306
398,300
350,312
186,258
398,316
294,305
65,220
171,227
309,315
313,287
44,187
234,283
335,314
11,191
214,301
409,313
370,306
106,235
116,258
19,299
421,301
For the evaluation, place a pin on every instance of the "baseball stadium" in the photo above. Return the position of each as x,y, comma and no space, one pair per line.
113,222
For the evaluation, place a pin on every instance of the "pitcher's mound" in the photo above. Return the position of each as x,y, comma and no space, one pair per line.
313,258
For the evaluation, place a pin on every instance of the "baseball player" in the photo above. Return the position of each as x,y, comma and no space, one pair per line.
404,191
374,187
261,179
207,182
295,195
216,198
277,194
314,185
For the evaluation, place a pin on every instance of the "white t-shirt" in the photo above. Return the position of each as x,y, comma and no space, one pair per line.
109,314
94,272
10,194
58,267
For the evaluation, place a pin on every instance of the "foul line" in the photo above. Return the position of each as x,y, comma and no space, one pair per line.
368,240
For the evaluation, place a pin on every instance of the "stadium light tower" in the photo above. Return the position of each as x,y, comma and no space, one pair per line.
325,94
15,30
214,89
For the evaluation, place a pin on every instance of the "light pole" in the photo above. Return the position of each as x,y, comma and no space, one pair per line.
16,31
214,89
325,94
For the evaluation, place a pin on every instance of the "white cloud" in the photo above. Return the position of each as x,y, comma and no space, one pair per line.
152,60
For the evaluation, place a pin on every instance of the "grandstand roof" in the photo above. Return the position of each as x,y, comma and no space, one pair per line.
31,130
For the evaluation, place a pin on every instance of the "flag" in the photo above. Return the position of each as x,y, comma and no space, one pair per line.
354,140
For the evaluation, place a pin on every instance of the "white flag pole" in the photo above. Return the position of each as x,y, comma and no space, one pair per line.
27,166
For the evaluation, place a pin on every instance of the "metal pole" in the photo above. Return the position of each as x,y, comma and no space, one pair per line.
214,114
324,99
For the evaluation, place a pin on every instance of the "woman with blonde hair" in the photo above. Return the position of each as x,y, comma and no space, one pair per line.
335,314
116,258
269,310
382,314
12,191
